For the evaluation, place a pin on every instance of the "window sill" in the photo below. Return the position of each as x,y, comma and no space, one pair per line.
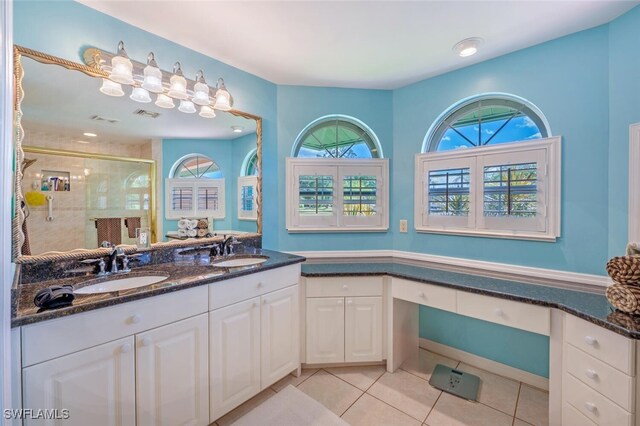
510,235
335,230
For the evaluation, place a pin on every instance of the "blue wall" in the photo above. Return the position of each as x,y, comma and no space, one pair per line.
624,109
297,107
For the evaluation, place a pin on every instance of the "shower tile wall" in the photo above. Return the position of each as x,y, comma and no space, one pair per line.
97,187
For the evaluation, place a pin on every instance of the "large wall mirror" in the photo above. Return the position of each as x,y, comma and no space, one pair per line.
92,167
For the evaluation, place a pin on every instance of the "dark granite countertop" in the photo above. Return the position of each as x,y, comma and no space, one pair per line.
589,306
183,273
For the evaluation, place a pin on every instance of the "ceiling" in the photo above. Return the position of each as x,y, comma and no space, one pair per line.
357,44
67,103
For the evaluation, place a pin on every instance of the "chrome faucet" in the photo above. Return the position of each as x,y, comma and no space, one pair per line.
225,247
113,259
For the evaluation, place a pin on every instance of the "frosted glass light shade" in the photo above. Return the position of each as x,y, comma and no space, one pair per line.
187,107
121,70
207,112
223,98
140,95
152,79
178,88
111,88
163,101
201,94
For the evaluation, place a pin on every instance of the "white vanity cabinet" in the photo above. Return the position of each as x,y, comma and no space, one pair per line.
172,374
253,335
344,320
95,385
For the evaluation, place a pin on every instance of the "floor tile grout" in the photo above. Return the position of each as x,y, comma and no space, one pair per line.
517,401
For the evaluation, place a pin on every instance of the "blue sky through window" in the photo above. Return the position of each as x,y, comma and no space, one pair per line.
518,129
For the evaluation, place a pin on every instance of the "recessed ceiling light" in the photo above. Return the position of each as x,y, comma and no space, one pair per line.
90,135
82,141
467,47
237,129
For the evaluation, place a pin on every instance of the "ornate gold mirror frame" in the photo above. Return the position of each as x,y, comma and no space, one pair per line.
94,57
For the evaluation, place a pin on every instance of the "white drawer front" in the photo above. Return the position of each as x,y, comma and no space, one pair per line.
62,336
607,346
506,312
593,405
424,294
225,293
610,382
344,286
573,417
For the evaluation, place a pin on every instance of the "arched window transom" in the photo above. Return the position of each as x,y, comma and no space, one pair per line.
196,166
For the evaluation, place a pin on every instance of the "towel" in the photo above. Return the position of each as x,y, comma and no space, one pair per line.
202,232
203,224
132,223
182,232
182,223
109,229
192,224
192,233
633,249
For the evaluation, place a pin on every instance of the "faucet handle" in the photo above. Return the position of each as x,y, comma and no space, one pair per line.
125,264
102,265
106,244
234,242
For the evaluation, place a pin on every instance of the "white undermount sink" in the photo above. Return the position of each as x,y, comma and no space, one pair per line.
120,284
238,263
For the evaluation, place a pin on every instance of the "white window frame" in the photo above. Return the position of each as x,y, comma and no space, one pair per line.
194,184
634,182
545,227
337,168
253,213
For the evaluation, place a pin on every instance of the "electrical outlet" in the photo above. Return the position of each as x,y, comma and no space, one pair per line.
404,225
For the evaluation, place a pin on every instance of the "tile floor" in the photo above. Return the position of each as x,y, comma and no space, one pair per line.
371,396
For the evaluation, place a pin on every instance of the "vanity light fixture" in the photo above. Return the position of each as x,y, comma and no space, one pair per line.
89,134
207,112
467,47
121,67
111,88
187,106
237,129
82,142
163,101
201,90
224,101
151,79
140,95
152,75
178,88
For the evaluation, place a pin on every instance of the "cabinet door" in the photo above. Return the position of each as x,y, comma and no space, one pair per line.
96,386
363,329
234,355
280,334
325,330
172,374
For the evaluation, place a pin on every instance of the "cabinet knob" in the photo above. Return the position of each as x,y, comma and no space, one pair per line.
591,374
340,302
265,301
255,304
591,407
590,340
135,319
146,341
345,287
260,285
424,296
349,302
499,312
125,348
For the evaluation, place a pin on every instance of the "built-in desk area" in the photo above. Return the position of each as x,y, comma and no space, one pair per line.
592,359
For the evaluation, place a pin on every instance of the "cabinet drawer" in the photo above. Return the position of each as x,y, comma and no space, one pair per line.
61,336
593,405
573,417
344,286
605,345
225,293
506,312
605,379
424,294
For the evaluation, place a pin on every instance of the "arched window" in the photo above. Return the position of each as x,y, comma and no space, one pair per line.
136,188
337,178
195,189
487,119
196,166
337,136
250,164
469,180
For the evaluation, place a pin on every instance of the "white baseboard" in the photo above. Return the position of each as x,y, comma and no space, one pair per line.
486,364
574,280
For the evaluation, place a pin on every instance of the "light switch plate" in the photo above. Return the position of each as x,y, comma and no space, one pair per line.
404,225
